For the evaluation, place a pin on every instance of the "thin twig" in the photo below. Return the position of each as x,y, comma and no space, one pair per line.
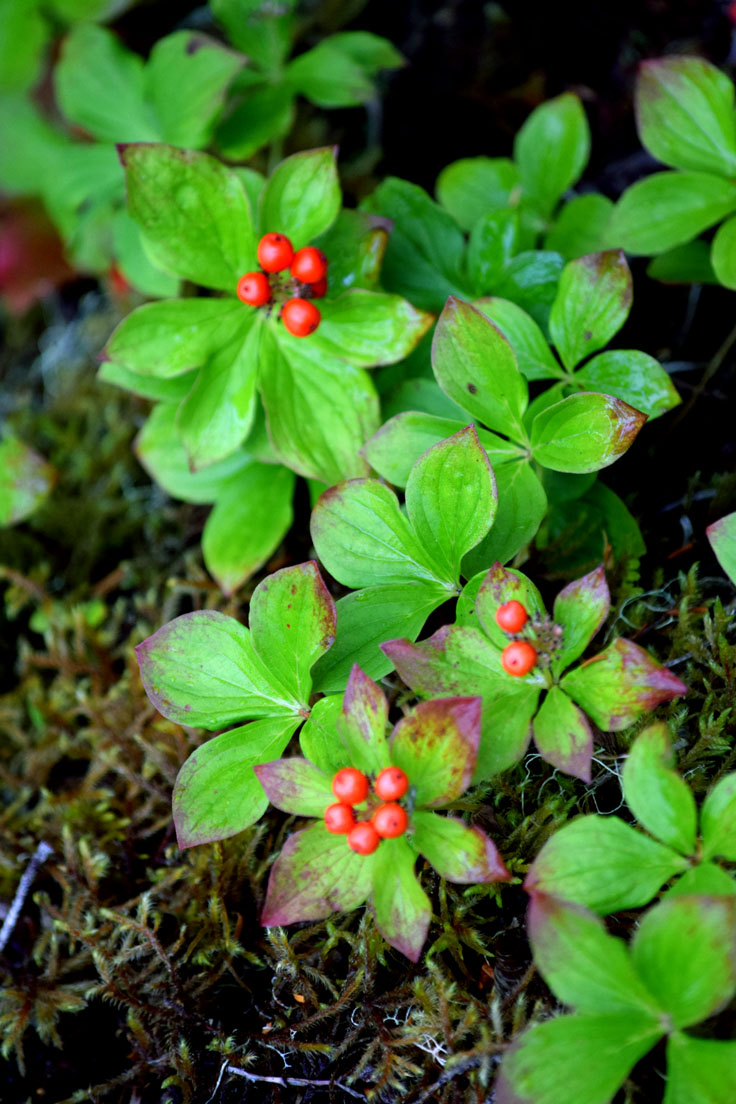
302,1082
39,856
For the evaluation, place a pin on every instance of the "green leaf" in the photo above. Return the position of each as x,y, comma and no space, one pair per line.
252,515
425,251
684,114
593,302
619,684
100,86
301,197
186,77
437,745
194,212
261,31
563,736
400,906
580,227
551,150
655,793
315,875
296,786
217,794
292,623
585,432
493,242
590,1056
476,367
533,354
718,820
502,585
451,499
355,246
25,480
635,377
169,391
704,880
368,328
723,253
171,337
457,852
23,43
602,863
722,537
530,280
583,965
685,264
264,115
133,261
667,209
319,411
684,950
329,77
699,1071
522,504
371,51
365,619
318,738
362,724
473,186
580,609
363,539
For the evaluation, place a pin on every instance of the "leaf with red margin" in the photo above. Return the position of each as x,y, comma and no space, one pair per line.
584,432
315,875
217,794
500,585
424,666
618,685
563,736
362,725
722,537
437,746
458,853
25,480
400,906
296,786
592,303
580,609
292,622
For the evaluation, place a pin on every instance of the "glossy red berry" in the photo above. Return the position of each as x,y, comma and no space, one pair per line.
274,252
518,658
511,617
309,265
390,820
391,784
339,818
319,289
350,786
363,838
300,317
254,289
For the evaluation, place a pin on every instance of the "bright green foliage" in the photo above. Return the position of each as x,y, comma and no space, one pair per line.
722,536
25,480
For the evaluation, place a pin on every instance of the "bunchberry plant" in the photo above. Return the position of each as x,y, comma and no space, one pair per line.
685,118
678,971
25,480
363,847
611,689
605,864
722,536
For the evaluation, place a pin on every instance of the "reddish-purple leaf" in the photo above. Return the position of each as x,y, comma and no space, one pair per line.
580,609
362,726
424,666
437,746
459,853
617,686
400,906
296,786
315,875
563,736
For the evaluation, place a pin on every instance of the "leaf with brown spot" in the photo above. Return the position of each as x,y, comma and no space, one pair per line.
437,746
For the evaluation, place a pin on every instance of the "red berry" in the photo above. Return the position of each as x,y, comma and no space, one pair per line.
363,838
350,786
339,818
254,289
319,289
518,658
309,265
300,317
391,784
274,252
390,820
511,617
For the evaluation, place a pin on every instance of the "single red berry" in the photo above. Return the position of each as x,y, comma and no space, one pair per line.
391,784
339,818
511,617
274,252
350,786
300,317
319,289
518,658
254,289
390,820
363,838
309,265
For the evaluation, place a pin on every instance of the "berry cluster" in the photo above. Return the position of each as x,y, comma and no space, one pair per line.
306,280
389,820
519,656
